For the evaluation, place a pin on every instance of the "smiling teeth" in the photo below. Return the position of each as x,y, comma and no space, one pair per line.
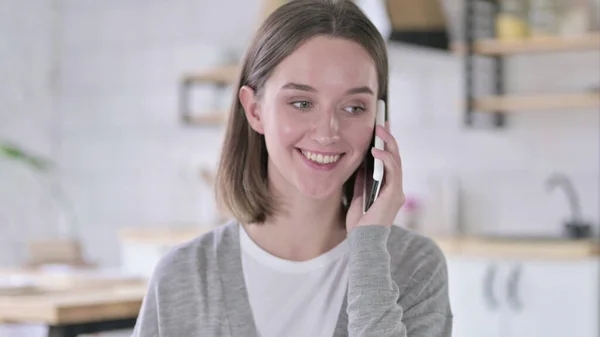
321,159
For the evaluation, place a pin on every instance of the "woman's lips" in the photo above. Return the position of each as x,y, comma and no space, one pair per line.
320,160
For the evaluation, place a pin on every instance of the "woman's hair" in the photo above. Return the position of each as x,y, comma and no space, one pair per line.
241,180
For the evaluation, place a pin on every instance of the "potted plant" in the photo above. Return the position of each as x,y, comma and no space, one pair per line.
65,249
11,151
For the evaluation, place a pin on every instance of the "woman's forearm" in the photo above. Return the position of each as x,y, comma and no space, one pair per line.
373,309
374,305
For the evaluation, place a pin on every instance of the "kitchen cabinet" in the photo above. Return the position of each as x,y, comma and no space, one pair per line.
472,297
524,297
553,298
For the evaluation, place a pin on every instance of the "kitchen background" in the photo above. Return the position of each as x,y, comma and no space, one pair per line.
94,87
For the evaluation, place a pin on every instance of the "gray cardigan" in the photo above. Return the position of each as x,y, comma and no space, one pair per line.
398,287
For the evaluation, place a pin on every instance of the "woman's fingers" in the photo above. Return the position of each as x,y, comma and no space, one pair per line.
391,168
390,142
392,161
391,145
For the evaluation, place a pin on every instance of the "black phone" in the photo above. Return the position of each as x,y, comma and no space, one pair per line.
373,168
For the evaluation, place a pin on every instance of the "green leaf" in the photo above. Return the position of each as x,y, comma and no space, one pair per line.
14,152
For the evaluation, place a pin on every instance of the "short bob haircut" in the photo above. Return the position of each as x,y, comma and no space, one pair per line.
241,179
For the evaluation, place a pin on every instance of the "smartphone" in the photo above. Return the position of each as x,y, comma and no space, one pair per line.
373,168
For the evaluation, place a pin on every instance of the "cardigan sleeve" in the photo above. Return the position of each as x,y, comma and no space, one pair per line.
376,307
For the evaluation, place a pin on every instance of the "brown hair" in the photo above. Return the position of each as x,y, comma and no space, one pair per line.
241,181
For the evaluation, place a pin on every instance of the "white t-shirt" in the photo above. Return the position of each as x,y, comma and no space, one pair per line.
294,299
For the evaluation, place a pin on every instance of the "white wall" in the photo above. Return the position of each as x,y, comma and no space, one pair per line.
502,171
27,57
125,159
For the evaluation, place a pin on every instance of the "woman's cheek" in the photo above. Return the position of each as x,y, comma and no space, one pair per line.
362,135
277,120
284,129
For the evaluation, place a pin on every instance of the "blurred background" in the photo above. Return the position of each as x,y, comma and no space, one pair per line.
112,113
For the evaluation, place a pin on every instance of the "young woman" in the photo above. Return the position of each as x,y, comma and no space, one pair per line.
301,258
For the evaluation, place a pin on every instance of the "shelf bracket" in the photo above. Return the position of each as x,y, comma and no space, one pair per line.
498,119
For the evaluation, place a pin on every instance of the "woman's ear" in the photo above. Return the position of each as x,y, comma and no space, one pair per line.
251,107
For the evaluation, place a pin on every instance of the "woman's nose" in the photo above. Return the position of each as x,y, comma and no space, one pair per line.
326,130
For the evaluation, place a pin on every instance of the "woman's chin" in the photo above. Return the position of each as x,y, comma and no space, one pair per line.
320,192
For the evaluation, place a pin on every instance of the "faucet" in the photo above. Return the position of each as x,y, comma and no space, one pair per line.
575,227
561,180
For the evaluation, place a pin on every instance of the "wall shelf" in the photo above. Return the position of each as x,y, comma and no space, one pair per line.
495,47
537,45
220,77
217,118
223,75
477,18
537,102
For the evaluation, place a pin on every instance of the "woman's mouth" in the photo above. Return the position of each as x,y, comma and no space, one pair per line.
320,160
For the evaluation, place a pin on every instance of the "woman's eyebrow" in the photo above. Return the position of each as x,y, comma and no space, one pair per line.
305,87
296,86
360,90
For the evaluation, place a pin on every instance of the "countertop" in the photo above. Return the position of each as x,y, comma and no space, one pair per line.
62,299
161,235
523,247
518,247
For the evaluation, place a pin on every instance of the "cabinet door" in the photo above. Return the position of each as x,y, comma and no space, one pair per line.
474,298
553,299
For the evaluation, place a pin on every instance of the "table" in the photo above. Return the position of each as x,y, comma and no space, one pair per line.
74,305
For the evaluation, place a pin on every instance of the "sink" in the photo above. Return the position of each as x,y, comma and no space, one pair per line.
573,231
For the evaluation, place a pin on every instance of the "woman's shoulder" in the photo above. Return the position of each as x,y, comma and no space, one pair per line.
197,256
187,279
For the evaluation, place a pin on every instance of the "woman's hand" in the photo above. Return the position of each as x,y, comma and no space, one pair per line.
391,196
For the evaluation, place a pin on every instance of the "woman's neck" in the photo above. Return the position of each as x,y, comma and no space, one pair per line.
303,229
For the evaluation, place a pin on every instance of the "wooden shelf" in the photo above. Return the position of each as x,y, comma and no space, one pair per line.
537,45
537,102
208,119
162,235
493,47
219,75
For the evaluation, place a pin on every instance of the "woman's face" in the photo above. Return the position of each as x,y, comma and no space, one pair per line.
317,114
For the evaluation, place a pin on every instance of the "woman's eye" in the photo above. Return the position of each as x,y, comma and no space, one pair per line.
303,105
354,109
